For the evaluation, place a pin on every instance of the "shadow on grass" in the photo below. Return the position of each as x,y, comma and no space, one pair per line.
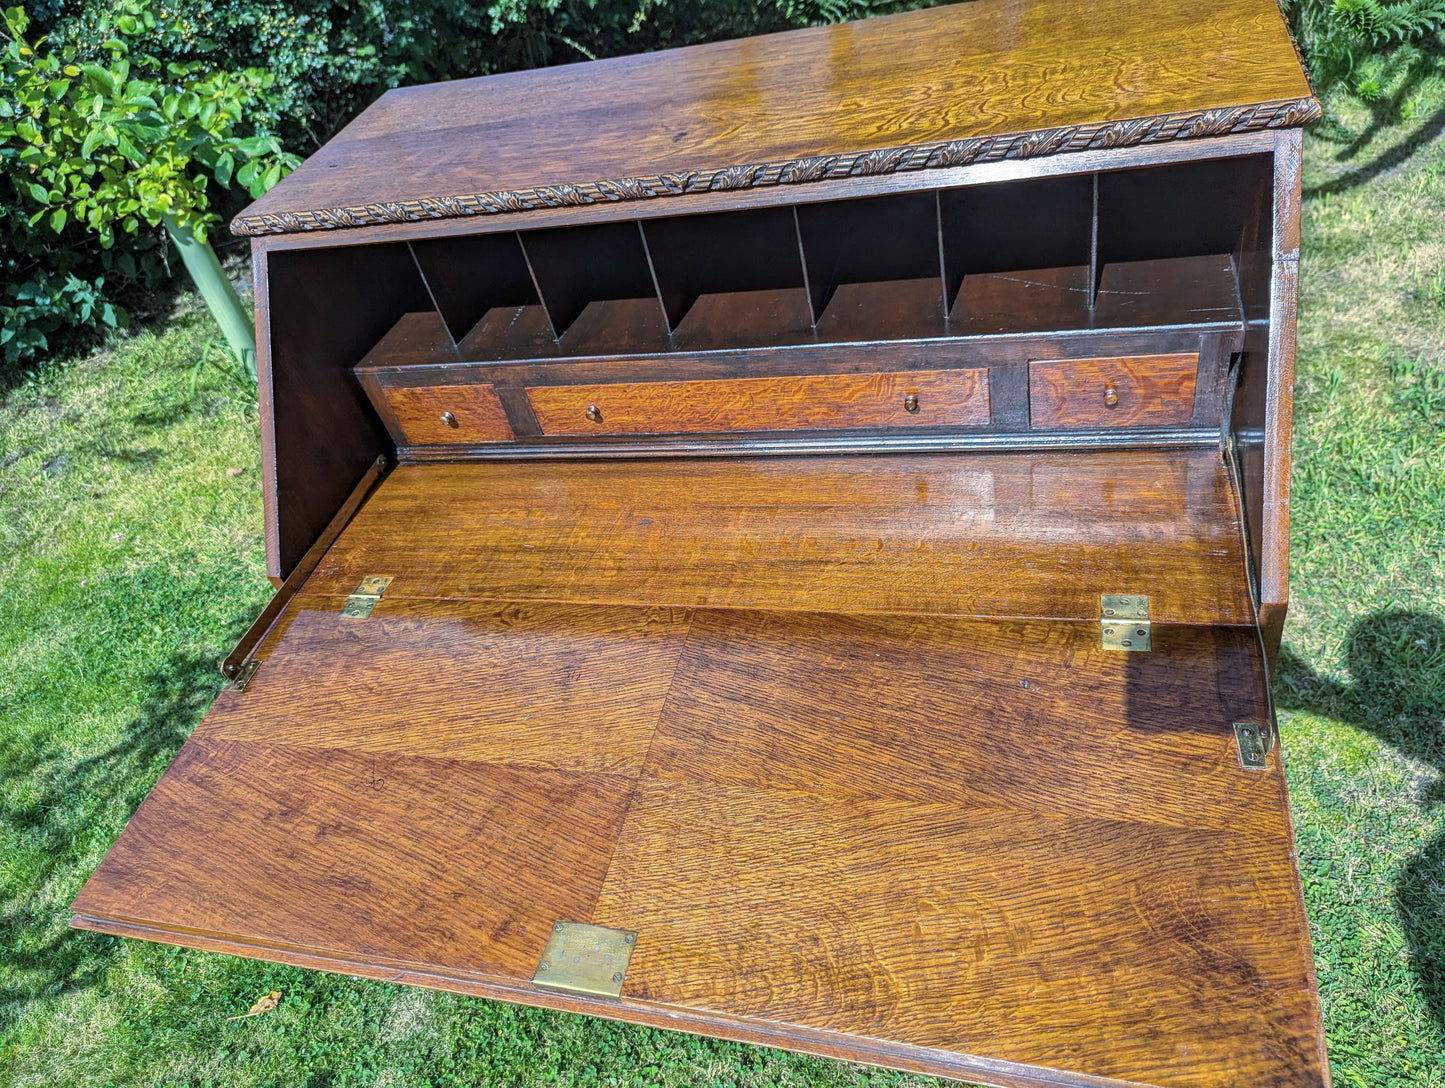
1397,665
71,803
1391,159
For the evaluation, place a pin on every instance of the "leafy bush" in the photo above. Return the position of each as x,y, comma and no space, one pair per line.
1357,43
110,141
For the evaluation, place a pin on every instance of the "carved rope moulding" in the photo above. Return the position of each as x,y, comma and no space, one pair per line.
890,160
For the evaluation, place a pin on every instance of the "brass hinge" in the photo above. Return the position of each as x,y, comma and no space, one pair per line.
243,674
1124,622
1253,744
584,959
359,605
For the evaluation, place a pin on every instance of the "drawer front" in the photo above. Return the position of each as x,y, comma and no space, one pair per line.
1131,391
921,398
436,415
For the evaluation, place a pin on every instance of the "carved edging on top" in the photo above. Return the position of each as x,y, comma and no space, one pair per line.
1194,124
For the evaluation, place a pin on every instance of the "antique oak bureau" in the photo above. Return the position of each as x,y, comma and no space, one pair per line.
784,540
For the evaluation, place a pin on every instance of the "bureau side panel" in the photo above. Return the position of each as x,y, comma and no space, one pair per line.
323,310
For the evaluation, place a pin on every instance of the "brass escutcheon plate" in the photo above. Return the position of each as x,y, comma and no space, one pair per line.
584,959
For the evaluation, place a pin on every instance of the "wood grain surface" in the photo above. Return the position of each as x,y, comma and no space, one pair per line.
805,402
558,686
986,849
1136,391
1023,534
793,100
475,410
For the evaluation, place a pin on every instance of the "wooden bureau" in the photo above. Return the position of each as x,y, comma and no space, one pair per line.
785,540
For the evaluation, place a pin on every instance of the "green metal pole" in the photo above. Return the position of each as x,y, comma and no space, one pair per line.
220,297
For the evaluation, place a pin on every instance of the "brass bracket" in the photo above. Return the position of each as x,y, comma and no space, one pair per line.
359,605
243,675
1124,623
299,573
1253,745
583,959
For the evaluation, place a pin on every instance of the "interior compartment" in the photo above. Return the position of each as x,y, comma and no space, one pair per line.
862,284
1043,224
577,267
1121,249
471,274
868,241
723,254
1180,210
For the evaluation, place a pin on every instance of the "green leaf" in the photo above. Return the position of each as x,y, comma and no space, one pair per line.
256,145
100,78
57,220
129,150
39,192
224,166
92,139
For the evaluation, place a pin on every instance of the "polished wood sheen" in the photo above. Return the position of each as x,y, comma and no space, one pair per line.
759,474
985,535
438,414
823,402
1138,391
821,840
787,107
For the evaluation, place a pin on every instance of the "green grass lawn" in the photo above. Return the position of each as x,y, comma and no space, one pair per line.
130,560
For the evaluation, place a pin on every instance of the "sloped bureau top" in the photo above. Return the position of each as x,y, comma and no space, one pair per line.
949,86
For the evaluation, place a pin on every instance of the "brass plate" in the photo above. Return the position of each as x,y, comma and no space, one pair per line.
1124,622
1253,744
1124,606
583,959
1134,637
244,674
361,602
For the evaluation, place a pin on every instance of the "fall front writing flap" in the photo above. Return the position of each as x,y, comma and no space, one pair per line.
991,848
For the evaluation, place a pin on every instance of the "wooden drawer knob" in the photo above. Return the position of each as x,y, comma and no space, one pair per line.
910,402
593,413
449,420
1111,395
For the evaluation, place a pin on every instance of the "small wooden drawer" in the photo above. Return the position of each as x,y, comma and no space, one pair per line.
1132,391
921,398
438,415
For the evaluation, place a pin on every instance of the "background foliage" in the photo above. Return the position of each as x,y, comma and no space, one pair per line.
328,59
103,142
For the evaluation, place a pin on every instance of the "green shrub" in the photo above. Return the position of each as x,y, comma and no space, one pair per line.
1361,44
108,142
